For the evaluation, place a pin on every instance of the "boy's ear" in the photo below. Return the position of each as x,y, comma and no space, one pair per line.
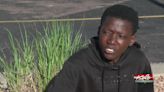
132,40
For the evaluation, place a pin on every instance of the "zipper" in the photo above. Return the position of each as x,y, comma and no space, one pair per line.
117,69
118,78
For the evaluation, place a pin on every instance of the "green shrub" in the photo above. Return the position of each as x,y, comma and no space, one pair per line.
35,62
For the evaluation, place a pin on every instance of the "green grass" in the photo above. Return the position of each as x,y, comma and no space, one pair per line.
35,62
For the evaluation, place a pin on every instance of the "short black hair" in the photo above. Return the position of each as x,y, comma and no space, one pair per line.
123,12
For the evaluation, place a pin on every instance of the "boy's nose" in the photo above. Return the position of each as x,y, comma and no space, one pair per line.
112,39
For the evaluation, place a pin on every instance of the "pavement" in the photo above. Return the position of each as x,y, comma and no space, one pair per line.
157,68
160,1
48,9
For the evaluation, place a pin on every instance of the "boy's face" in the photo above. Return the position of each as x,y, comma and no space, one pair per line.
115,35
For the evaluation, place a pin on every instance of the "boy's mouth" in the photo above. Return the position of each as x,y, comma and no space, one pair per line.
109,50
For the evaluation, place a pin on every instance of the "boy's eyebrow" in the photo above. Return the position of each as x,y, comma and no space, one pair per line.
115,31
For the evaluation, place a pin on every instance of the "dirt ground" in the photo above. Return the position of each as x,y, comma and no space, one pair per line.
159,83
158,71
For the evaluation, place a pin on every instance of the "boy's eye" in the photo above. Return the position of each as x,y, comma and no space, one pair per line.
121,36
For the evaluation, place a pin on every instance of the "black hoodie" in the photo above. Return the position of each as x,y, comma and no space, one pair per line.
87,71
